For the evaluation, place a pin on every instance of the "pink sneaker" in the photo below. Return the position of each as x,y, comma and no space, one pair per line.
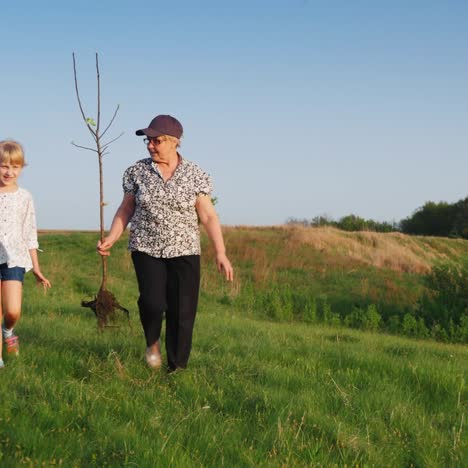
12,344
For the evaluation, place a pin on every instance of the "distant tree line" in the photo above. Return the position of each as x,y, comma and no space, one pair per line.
439,219
347,223
432,219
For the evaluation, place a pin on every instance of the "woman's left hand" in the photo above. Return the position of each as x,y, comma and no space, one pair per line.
224,266
41,279
209,219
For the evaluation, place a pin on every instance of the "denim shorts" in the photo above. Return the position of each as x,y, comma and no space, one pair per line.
11,274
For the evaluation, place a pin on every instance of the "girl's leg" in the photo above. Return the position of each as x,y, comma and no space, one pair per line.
1,321
11,297
11,303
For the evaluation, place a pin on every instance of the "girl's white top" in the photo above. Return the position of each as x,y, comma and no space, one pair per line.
18,232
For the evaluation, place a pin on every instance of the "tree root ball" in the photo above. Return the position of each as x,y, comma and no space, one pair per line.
104,307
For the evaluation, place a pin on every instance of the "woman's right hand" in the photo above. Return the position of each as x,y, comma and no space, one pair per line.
103,247
122,217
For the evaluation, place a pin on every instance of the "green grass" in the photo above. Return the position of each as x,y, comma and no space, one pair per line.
257,392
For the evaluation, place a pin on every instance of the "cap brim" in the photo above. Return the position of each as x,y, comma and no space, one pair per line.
148,132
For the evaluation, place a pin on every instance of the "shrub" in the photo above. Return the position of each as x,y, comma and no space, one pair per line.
326,311
393,324
372,318
445,304
421,329
461,333
310,311
334,320
355,319
279,305
439,333
410,325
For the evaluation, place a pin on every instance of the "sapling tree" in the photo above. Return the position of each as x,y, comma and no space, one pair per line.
104,304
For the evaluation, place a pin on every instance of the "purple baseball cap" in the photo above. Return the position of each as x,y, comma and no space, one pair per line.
162,125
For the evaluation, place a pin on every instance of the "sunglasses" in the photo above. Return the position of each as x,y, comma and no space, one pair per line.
154,140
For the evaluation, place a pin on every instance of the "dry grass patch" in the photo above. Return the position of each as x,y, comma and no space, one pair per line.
393,251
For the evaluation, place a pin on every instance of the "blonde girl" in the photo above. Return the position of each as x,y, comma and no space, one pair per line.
18,242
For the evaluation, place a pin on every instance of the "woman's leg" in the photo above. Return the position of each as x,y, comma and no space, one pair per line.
182,296
152,279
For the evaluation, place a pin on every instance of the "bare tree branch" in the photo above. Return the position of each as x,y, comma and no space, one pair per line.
98,96
104,146
84,147
112,120
79,100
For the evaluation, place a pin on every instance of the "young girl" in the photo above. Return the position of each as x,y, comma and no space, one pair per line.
18,242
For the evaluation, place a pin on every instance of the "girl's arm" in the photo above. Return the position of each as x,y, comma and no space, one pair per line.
37,270
122,217
30,236
209,219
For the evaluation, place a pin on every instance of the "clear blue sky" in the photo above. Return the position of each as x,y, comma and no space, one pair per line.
296,108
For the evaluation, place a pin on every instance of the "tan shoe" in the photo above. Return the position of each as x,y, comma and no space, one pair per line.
153,358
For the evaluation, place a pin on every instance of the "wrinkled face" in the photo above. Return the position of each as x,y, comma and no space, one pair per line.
9,173
160,148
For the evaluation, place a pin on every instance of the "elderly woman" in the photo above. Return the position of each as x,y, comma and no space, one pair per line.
163,195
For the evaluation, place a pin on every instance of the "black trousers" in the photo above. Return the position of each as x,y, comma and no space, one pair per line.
170,286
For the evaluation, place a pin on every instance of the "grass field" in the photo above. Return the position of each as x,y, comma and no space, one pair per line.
258,391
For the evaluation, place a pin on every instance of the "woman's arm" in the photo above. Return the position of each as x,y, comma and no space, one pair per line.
209,219
122,217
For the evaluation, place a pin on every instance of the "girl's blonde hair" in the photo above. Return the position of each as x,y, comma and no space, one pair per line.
11,152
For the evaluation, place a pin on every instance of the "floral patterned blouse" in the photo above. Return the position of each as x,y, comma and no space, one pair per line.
18,232
165,222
